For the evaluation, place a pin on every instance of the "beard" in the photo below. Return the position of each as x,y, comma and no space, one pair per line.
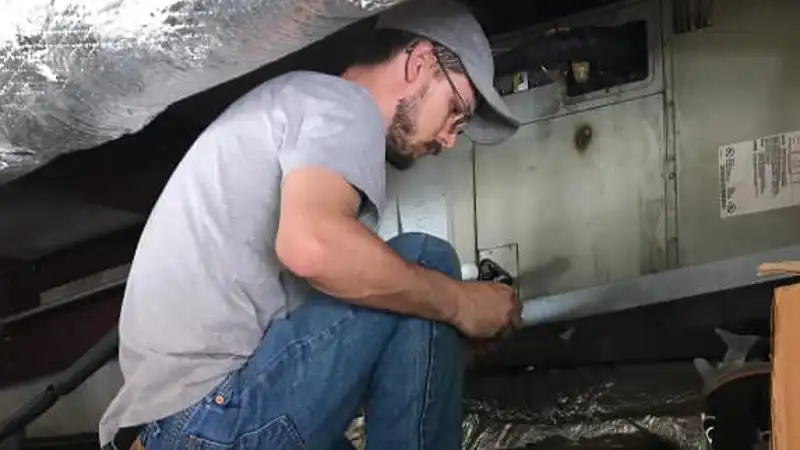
400,146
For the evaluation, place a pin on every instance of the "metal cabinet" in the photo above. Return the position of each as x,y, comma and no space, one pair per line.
632,214
735,81
581,196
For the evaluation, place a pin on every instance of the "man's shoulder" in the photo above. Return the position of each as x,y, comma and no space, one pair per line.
318,92
317,82
298,97
314,100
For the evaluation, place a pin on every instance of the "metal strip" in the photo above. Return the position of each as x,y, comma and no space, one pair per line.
80,296
656,288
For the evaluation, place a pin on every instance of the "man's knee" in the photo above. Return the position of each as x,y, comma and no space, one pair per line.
414,332
429,251
413,243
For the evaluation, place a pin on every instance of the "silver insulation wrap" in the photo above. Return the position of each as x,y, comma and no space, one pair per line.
75,74
648,432
651,432
651,406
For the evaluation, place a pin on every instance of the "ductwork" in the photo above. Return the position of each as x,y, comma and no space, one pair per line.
77,73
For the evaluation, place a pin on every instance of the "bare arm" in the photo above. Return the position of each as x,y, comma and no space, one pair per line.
320,239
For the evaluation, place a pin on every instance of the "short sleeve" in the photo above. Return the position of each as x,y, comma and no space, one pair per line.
334,124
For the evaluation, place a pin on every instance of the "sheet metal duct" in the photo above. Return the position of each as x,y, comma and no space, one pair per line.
77,73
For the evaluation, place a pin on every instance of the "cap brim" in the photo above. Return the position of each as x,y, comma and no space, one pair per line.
493,122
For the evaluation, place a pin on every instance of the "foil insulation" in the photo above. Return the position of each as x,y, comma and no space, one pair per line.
649,432
481,432
651,406
77,73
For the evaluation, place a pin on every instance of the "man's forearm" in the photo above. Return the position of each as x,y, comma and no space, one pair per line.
355,265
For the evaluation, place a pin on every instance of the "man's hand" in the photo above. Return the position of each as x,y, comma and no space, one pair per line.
487,310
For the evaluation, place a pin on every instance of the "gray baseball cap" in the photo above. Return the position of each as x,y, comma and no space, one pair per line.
451,24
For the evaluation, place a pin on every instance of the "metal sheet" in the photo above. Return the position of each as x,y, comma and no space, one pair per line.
580,218
416,201
655,288
735,81
436,196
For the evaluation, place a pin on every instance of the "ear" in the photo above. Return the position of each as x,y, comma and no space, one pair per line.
420,58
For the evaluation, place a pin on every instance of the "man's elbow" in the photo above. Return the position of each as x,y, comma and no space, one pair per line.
300,253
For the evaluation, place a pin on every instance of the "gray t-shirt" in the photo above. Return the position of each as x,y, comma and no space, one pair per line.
205,282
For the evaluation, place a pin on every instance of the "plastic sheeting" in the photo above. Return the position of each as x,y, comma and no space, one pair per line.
77,73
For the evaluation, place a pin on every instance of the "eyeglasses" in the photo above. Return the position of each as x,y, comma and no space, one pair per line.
463,116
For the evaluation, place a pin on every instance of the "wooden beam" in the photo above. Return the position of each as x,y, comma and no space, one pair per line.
22,282
49,340
101,253
36,342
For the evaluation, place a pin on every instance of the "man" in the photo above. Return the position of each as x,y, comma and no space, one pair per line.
262,311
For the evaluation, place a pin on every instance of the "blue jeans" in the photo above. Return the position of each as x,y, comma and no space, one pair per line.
328,359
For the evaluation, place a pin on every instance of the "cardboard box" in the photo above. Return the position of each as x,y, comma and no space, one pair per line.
785,358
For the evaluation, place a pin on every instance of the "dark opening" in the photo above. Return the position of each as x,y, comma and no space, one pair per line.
504,16
587,59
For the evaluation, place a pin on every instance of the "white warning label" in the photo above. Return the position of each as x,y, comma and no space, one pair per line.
760,175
